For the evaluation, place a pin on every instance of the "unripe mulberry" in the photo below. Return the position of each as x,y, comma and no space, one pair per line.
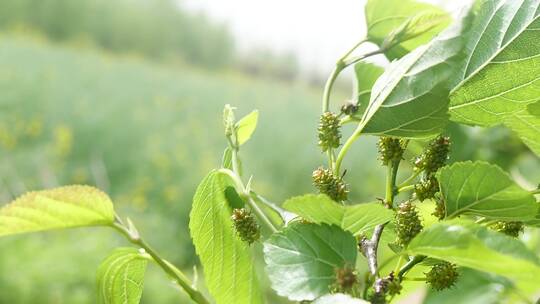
440,210
434,156
441,276
346,279
390,149
512,229
328,183
408,223
427,188
329,131
246,225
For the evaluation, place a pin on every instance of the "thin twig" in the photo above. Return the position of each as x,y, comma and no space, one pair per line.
167,267
369,250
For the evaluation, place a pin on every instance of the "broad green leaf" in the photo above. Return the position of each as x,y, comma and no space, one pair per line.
501,73
483,189
472,287
366,75
64,207
357,219
526,124
410,99
339,298
470,245
246,126
302,258
228,265
422,22
120,277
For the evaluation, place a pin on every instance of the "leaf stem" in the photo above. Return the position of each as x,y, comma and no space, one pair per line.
389,197
409,180
535,191
235,175
348,144
166,266
261,215
409,265
418,279
405,188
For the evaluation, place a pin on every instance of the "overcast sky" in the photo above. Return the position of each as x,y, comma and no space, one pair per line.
318,32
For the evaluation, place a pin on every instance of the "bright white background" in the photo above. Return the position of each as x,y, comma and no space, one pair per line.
317,31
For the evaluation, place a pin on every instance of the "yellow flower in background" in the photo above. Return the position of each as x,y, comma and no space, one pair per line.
63,140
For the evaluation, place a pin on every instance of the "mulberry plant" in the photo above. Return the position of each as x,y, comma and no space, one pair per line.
439,225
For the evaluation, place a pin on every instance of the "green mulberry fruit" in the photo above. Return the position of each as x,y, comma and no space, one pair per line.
393,286
246,225
434,156
440,210
329,131
390,149
442,276
328,183
512,229
427,188
408,223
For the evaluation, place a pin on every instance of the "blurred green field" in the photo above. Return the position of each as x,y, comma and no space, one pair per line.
146,134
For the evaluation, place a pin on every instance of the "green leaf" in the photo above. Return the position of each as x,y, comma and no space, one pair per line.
422,22
302,258
357,219
64,207
501,73
120,277
246,126
470,245
410,99
483,189
228,265
366,75
339,298
526,124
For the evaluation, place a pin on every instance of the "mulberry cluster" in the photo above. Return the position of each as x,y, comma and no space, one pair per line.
329,131
246,225
427,188
434,156
408,223
390,149
512,229
442,276
328,183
